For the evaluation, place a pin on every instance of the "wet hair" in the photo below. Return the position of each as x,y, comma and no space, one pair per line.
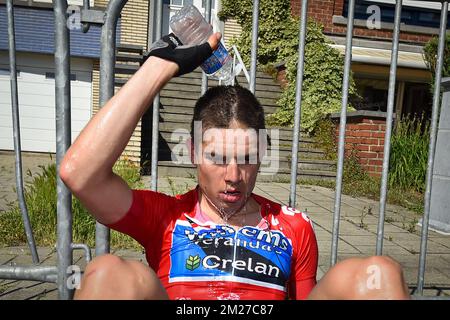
222,105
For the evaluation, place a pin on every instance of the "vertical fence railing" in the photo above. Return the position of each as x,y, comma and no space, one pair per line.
107,63
155,111
388,133
254,54
63,140
16,132
432,146
207,18
298,102
65,246
341,139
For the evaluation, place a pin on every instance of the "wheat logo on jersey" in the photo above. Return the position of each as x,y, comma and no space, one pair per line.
249,255
193,263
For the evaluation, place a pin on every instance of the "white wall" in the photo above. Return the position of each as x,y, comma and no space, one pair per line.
36,89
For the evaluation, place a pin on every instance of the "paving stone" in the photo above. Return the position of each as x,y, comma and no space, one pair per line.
414,246
6,258
130,254
444,241
391,250
355,241
432,277
348,228
24,290
343,247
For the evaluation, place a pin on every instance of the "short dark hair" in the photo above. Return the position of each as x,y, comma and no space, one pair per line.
220,105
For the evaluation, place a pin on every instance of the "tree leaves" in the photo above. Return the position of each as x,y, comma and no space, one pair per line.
278,40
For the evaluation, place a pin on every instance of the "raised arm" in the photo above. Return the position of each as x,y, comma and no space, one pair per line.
87,166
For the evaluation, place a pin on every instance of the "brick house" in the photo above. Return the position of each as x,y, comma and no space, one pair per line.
34,35
35,47
371,48
371,62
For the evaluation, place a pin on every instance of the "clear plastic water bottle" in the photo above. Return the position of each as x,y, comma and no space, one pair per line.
191,28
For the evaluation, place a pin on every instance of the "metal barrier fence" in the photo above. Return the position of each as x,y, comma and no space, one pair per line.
108,19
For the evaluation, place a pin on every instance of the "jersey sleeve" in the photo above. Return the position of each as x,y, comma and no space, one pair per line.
304,268
145,217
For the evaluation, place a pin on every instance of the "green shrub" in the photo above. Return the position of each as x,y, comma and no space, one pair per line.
278,41
409,154
430,57
325,137
41,200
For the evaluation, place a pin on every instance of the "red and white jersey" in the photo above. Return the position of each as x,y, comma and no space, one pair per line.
198,259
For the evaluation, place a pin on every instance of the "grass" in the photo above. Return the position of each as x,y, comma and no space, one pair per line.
409,154
357,183
4,287
41,200
407,165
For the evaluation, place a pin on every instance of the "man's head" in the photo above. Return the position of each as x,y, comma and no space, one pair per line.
228,133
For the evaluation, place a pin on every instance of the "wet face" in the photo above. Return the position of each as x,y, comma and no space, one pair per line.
227,166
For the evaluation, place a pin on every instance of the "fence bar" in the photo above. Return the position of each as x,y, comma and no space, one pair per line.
107,61
86,25
85,248
208,18
432,147
35,273
254,56
388,133
155,118
16,132
298,101
413,297
342,124
63,140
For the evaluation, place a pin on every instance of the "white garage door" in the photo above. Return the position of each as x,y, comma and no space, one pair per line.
36,87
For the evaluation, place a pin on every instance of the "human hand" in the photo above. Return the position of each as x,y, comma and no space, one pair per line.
169,47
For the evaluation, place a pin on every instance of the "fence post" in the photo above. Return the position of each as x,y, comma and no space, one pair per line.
432,147
298,102
155,111
387,136
63,140
207,18
254,56
342,124
107,61
16,132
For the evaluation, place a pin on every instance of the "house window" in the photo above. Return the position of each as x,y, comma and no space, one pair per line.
180,3
213,4
51,75
411,15
5,72
373,93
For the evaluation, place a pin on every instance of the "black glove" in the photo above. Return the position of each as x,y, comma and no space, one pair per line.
187,58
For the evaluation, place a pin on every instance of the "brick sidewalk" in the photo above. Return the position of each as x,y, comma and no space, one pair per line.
358,227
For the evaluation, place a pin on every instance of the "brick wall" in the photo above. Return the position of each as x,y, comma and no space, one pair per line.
364,137
323,11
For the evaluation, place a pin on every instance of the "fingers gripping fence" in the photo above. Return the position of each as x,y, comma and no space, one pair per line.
58,274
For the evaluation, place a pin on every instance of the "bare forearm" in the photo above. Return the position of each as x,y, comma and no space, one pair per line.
104,138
